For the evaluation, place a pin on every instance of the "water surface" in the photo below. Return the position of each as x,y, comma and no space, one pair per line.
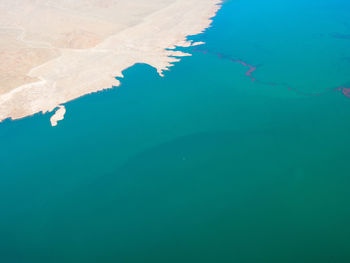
204,165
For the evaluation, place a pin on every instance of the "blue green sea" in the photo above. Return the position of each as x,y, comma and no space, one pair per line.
211,163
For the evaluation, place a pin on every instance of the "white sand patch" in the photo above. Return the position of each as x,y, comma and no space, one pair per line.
58,116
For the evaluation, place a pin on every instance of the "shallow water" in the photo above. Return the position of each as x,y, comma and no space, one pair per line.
208,164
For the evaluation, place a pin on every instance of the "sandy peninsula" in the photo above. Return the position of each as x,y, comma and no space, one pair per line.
54,51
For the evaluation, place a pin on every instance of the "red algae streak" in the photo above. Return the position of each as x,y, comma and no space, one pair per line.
345,90
250,71
238,61
341,36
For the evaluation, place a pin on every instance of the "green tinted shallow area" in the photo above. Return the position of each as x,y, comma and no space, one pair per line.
202,165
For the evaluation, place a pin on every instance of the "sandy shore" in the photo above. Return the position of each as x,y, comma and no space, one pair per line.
52,52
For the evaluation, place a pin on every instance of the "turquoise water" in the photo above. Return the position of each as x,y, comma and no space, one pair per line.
204,165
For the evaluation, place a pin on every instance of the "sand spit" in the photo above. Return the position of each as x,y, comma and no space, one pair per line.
58,116
54,51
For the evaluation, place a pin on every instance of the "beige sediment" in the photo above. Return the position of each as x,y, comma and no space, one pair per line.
74,72
58,116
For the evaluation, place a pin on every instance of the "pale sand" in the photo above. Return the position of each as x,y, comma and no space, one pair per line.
54,51
58,116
